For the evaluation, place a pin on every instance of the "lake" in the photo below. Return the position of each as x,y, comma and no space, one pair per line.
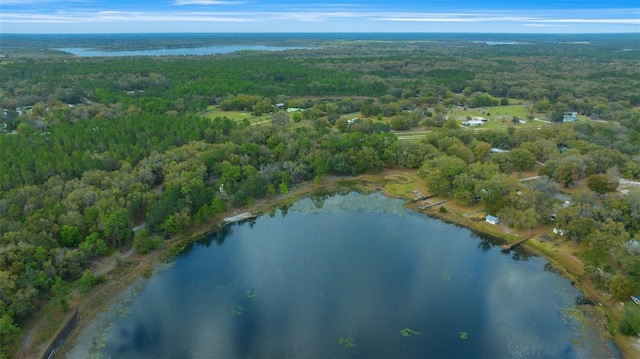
208,50
344,276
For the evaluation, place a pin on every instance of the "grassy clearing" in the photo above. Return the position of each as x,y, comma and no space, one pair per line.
213,112
509,111
499,116
414,136
351,115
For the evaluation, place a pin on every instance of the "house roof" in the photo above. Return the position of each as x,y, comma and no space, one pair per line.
491,218
473,122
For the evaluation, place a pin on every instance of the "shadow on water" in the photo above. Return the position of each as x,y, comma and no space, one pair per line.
520,253
319,198
485,243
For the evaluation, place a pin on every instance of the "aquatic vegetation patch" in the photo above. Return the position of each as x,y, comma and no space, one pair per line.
236,310
464,335
406,332
251,293
124,311
348,342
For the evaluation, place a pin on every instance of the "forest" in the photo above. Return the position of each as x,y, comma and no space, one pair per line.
92,147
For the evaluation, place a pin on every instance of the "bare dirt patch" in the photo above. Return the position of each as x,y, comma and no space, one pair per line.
399,178
627,186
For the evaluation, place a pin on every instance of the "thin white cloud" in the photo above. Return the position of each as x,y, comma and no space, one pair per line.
436,18
317,16
545,25
125,16
206,2
480,17
592,21
35,2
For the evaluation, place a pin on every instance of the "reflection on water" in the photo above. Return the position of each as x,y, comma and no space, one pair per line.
347,276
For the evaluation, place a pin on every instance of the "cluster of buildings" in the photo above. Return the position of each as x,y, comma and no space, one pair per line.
475,121
570,117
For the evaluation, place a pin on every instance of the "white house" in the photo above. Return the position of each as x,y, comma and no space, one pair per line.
492,219
473,123
558,231
570,117
498,150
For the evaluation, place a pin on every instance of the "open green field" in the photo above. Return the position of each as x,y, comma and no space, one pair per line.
414,136
499,116
213,112
494,112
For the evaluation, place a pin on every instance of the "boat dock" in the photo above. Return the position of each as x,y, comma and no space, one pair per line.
239,217
422,208
508,246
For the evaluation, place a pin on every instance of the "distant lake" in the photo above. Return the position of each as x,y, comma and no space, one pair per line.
345,276
208,50
496,42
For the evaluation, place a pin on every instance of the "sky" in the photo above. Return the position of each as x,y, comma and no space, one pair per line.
249,16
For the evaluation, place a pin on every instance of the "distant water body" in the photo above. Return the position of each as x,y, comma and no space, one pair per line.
208,50
497,42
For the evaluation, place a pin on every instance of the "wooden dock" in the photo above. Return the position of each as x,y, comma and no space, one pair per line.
508,246
239,217
423,198
422,208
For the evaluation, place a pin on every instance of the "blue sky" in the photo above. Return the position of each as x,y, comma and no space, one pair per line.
492,16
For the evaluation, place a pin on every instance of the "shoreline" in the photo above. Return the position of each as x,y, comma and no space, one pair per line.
125,273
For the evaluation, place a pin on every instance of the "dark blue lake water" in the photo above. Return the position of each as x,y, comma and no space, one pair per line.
345,276
209,50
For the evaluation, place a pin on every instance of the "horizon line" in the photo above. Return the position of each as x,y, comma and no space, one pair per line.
325,32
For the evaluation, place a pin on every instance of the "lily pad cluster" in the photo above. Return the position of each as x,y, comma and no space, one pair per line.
406,332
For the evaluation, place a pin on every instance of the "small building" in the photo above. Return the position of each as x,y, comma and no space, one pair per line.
570,117
479,118
352,121
294,109
473,123
280,105
492,219
498,150
558,231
